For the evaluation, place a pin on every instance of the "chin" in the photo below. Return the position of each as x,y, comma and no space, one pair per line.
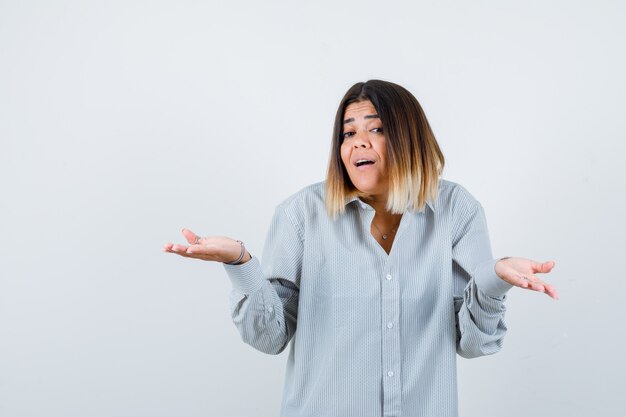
366,187
368,182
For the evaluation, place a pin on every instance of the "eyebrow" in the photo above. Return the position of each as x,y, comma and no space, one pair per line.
369,116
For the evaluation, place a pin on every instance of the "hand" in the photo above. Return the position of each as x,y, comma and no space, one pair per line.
214,248
521,273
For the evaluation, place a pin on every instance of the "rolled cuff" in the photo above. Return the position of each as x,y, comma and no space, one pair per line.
247,277
488,281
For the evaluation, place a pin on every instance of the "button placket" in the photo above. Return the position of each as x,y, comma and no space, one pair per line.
390,293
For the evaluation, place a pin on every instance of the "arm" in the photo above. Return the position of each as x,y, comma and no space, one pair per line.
481,284
263,309
264,300
479,292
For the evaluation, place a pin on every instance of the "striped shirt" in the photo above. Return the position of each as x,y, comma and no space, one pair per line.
372,334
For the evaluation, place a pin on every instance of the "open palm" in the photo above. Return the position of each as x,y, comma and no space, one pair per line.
521,273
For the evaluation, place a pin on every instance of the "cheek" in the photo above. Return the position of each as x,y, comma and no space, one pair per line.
345,155
382,150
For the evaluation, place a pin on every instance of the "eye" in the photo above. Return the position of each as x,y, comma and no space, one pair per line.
378,130
347,135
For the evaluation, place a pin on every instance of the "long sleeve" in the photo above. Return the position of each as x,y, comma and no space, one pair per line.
375,330
264,298
479,292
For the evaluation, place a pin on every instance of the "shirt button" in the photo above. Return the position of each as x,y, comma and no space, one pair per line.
390,373
388,277
389,325
270,309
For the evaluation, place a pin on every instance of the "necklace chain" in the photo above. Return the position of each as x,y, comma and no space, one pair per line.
385,235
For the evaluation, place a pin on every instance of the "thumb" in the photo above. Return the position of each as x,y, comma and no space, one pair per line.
545,266
190,236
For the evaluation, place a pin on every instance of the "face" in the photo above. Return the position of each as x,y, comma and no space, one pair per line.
364,139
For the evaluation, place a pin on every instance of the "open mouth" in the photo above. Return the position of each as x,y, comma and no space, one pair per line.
362,162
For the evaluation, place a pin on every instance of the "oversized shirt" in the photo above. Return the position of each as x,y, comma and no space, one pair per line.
372,334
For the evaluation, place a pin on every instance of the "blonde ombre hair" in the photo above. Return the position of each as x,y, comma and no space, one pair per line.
414,159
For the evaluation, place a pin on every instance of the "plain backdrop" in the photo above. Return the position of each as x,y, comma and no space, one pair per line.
123,121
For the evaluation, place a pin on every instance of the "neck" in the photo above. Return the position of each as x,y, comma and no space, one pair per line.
378,203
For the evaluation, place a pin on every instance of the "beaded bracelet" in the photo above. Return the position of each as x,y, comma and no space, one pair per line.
243,252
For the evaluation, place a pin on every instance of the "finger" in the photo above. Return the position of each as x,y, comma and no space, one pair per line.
178,252
196,249
184,254
535,283
197,255
537,286
179,248
184,251
551,291
531,282
190,236
544,267
201,250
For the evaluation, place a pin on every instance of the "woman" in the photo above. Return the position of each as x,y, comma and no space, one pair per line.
380,274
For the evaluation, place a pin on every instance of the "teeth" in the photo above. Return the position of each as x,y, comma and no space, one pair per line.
362,161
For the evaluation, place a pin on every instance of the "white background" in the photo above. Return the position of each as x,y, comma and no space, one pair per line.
123,121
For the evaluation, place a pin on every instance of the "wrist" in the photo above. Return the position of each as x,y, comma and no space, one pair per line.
488,280
236,254
246,257
496,265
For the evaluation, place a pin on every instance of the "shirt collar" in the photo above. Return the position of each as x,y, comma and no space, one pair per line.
367,206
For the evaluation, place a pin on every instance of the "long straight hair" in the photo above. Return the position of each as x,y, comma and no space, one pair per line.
414,158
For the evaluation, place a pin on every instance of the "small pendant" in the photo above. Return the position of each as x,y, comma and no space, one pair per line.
384,237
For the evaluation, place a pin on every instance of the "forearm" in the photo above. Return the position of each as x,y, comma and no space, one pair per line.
263,311
480,313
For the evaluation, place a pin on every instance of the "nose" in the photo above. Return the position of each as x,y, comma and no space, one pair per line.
361,140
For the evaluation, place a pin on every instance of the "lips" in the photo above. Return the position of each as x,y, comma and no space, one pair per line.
362,161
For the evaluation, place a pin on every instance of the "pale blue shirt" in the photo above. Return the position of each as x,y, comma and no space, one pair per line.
372,334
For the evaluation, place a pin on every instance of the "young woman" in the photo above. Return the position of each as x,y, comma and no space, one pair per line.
380,274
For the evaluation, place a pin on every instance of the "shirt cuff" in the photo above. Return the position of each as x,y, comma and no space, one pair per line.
247,277
488,281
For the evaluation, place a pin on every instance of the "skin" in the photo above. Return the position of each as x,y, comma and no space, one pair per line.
364,137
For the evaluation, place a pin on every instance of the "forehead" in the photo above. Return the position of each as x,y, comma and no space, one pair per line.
358,110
